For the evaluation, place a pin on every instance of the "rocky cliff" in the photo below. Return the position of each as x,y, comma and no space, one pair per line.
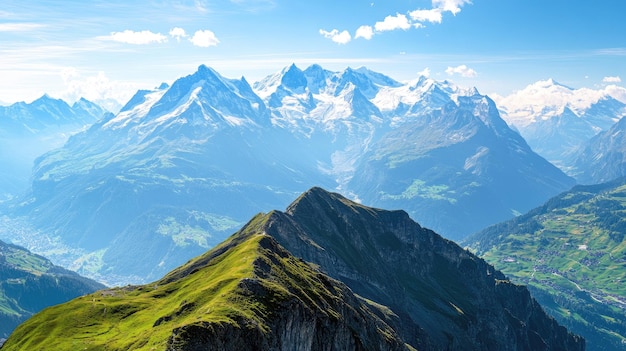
444,297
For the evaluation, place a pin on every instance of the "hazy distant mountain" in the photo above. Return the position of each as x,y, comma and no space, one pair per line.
416,291
27,130
603,158
180,167
571,253
555,119
30,283
457,168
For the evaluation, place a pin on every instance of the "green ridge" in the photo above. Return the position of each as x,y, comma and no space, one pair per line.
215,290
571,252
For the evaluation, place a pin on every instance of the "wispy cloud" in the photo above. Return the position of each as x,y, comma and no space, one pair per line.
204,38
462,70
255,5
338,37
20,27
137,38
615,79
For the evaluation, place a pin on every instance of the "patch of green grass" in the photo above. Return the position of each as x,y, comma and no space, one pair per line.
101,320
419,189
184,234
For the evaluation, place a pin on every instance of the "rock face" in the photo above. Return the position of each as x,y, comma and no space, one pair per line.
400,287
444,297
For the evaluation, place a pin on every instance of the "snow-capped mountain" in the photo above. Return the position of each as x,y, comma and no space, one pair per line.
181,166
28,130
555,119
456,169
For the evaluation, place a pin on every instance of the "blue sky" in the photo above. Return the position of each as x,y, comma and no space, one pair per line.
109,49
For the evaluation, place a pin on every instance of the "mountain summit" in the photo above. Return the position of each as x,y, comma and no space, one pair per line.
394,286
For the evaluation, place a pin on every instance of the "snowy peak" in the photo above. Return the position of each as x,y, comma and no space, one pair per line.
367,81
547,99
556,119
318,81
418,97
293,79
47,112
202,98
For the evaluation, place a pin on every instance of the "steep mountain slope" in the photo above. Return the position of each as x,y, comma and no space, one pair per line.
440,297
30,283
603,158
27,130
572,254
246,294
555,119
456,169
251,293
181,166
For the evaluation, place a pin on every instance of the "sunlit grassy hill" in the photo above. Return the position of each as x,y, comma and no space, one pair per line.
572,254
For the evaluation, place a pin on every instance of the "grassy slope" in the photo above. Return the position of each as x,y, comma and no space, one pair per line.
203,290
572,254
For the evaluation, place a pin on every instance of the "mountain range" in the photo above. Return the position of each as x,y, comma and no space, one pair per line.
557,120
370,280
27,130
571,253
181,166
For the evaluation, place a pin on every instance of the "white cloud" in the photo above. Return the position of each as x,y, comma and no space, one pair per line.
19,27
338,37
425,72
177,33
461,70
97,88
453,6
365,32
615,79
204,39
432,16
137,38
399,21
